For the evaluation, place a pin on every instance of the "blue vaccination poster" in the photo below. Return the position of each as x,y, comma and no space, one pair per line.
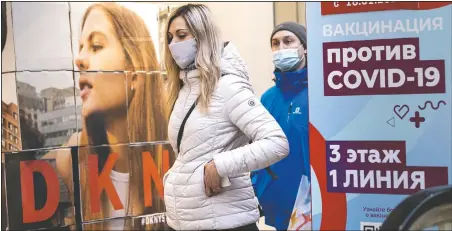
380,107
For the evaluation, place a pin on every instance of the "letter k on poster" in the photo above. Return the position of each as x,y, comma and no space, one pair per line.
380,80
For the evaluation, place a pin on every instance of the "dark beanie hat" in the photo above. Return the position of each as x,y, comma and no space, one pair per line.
296,28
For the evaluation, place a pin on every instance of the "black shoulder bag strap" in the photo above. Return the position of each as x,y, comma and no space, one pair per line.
182,126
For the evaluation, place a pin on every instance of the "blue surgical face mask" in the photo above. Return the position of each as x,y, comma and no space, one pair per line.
287,59
184,53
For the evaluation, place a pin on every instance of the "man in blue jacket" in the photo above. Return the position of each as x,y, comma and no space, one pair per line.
277,188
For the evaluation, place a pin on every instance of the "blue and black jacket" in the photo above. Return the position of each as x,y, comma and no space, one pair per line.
287,101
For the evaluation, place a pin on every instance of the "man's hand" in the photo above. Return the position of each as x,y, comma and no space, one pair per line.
212,181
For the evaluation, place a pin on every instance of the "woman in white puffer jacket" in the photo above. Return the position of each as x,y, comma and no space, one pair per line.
208,187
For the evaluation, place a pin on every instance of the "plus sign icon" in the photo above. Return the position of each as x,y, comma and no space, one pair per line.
417,119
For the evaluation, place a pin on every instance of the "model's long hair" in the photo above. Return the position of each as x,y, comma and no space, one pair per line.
208,58
146,115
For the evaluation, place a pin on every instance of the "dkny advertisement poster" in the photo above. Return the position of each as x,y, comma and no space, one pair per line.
84,116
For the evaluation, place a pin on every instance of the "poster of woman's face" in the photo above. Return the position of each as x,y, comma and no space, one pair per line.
89,90
117,72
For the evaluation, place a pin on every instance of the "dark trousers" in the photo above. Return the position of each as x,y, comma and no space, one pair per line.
250,227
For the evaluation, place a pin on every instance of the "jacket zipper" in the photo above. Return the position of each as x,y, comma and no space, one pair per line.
288,113
174,189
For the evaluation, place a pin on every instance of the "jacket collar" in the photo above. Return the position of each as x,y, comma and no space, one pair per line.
189,74
291,82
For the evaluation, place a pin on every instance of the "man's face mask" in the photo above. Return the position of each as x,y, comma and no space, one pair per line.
287,59
184,53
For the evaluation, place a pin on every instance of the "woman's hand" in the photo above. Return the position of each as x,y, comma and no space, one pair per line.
212,180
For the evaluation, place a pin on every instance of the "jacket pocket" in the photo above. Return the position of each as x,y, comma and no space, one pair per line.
202,175
203,183
225,182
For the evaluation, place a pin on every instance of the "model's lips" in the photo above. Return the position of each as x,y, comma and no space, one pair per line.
85,87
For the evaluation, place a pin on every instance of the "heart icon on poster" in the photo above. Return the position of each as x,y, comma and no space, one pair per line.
401,111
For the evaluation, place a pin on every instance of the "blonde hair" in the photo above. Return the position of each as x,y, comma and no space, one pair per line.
208,58
146,115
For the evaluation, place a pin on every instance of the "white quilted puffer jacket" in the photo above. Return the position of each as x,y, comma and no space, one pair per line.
235,116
